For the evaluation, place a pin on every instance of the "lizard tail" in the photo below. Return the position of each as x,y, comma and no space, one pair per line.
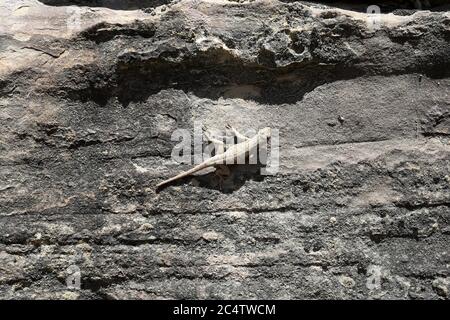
182,175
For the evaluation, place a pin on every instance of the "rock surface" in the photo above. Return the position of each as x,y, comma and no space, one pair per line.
89,98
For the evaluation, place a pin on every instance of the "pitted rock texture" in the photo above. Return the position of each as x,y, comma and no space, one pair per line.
90,96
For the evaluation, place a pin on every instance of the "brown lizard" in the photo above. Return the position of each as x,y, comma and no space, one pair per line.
230,156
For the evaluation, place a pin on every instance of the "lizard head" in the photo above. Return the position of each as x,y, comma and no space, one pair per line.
265,132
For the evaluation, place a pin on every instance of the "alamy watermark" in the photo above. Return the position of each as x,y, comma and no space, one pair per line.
73,279
374,20
73,22
266,152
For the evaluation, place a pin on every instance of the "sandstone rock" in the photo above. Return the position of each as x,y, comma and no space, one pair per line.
89,98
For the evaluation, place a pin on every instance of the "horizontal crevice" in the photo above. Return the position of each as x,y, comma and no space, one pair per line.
401,7
135,80
112,4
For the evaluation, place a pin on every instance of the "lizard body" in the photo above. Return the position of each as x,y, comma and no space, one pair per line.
228,157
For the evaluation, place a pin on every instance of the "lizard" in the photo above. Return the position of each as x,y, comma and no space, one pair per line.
229,156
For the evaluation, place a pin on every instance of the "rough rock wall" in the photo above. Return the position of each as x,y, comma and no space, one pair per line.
359,209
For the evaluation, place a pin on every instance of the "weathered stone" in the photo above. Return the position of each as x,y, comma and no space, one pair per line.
90,96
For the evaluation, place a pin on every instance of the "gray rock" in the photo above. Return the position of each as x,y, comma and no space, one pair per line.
89,98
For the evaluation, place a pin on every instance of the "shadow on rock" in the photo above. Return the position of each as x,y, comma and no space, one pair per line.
239,174
111,4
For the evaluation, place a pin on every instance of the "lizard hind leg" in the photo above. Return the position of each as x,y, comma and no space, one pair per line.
210,138
217,145
222,172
